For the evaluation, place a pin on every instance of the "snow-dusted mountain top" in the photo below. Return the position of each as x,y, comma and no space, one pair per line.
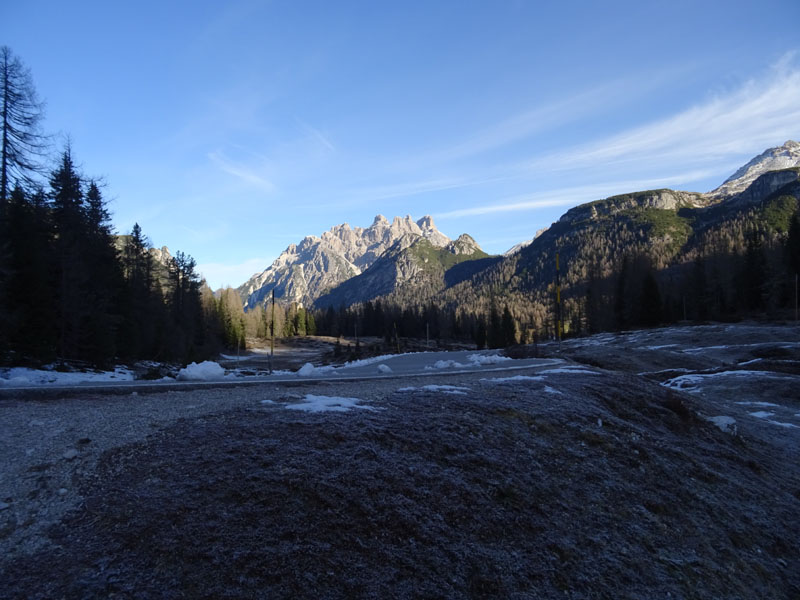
773,159
306,270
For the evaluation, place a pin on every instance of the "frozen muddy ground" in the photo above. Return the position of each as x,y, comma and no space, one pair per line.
610,475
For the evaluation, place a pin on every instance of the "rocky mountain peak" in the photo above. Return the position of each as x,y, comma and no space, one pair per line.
465,244
306,270
785,156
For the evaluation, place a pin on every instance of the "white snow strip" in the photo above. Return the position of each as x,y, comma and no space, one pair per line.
364,362
761,414
726,424
312,403
750,362
268,402
234,357
678,370
384,368
23,377
659,347
779,424
550,390
445,364
758,404
486,359
569,371
506,380
205,371
445,389
690,382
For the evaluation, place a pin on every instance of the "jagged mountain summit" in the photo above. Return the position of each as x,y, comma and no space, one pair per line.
413,269
773,159
305,271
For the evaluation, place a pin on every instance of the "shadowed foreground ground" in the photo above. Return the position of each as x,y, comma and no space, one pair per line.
576,485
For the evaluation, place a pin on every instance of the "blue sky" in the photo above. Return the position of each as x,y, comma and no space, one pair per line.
229,130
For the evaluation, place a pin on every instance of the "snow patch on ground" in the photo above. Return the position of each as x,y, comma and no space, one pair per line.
762,414
779,424
384,368
445,389
205,371
758,404
690,383
550,390
569,371
474,360
22,377
309,370
726,424
507,380
445,364
364,362
312,403
486,359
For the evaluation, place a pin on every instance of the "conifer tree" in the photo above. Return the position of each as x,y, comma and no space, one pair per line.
21,142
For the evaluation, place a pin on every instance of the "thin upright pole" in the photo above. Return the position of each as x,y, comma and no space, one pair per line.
272,334
558,302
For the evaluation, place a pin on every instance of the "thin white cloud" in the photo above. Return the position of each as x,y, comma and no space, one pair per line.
745,120
243,172
317,135
565,110
571,196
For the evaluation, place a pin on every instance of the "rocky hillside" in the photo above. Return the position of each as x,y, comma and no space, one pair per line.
781,157
414,266
305,271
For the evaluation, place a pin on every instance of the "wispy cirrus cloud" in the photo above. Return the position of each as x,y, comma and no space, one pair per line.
316,135
744,120
242,171
571,196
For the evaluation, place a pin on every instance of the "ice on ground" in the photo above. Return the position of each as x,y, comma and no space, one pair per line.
384,368
308,370
312,403
205,371
486,359
23,377
514,379
445,389
762,414
726,424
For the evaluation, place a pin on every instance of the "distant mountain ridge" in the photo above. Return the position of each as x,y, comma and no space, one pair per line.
305,271
773,159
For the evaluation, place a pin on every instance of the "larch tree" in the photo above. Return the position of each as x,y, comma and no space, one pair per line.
21,112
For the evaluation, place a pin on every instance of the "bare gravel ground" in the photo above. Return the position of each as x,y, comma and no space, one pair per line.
561,483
